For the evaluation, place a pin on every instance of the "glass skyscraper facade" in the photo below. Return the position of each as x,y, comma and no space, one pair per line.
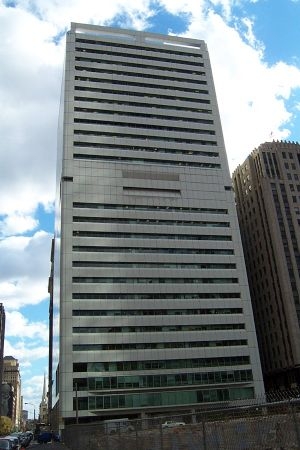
149,275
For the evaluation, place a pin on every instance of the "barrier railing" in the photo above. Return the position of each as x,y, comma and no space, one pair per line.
255,424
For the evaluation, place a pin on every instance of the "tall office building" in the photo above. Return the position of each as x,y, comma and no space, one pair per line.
12,377
155,311
51,328
267,187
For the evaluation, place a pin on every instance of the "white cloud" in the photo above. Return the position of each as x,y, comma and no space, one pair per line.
250,36
27,341
226,6
30,82
24,269
32,390
60,14
30,85
17,224
17,325
250,92
33,364
26,355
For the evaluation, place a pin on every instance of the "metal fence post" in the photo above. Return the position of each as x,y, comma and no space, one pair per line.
161,436
204,433
296,425
136,436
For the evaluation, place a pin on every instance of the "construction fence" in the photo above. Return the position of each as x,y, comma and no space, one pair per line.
265,426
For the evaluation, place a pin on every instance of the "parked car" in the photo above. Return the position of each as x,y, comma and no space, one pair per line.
14,440
29,434
5,444
24,439
172,424
114,426
55,437
47,436
44,437
18,436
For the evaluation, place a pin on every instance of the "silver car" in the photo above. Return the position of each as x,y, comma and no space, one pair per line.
5,444
14,441
172,424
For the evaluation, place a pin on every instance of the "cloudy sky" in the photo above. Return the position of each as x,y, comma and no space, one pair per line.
255,56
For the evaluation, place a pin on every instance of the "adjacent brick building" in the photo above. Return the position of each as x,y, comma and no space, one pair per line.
267,188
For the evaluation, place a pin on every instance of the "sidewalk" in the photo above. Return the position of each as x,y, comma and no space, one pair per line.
50,446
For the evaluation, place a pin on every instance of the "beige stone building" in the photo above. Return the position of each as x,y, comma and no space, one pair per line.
267,187
11,375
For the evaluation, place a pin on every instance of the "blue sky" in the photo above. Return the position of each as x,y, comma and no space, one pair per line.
278,28
255,57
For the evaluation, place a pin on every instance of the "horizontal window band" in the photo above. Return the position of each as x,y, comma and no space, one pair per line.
131,127
147,137
154,312
150,175
165,72
123,366
118,71
160,345
159,329
83,88
162,117
160,380
177,237
132,250
148,189
188,223
126,46
166,397
154,280
120,159
185,57
137,148
127,207
150,265
95,47
156,296
144,126
141,104
155,85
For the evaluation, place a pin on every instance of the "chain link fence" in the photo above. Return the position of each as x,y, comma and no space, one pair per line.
265,426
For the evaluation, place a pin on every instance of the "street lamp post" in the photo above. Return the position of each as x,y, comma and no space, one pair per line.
26,403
